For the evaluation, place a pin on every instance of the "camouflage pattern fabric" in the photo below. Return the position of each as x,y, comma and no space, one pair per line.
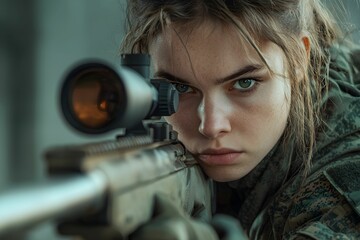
272,203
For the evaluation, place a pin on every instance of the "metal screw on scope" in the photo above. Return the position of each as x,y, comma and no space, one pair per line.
162,131
168,98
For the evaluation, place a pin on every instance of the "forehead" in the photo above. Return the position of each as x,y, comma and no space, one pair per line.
207,50
210,50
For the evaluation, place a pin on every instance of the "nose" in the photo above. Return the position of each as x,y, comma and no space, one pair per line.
214,118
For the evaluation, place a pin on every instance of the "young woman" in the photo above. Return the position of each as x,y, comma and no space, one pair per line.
268,105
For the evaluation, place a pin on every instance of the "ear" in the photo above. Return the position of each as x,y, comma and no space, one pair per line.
306,44
306,41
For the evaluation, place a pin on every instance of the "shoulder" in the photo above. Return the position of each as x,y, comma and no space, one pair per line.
328,206
345,178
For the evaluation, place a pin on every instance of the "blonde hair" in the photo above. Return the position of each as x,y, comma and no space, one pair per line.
280,21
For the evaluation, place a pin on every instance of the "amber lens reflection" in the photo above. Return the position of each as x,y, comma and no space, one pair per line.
95,100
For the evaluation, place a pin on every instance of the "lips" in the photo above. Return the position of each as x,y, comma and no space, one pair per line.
219,156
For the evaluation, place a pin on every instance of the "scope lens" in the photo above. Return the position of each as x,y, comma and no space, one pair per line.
96,97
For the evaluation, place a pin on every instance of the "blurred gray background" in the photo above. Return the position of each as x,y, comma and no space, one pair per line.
39,41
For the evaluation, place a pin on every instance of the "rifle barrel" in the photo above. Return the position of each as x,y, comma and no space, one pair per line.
26,206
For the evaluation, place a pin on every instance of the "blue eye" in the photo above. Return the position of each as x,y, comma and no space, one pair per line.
182,88
244,84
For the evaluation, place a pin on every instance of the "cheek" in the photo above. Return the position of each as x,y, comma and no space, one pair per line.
277,116
265,118
275,113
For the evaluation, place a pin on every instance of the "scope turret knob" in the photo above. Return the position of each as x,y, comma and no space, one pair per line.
168,98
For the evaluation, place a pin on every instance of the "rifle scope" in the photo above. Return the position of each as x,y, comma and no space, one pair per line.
97,97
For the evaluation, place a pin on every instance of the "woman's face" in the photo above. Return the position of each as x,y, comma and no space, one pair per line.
232,111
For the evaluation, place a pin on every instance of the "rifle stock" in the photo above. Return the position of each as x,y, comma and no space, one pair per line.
109,187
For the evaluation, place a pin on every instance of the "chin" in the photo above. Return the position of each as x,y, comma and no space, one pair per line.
223,176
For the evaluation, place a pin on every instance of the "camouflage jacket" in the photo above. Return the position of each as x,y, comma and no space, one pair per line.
327,205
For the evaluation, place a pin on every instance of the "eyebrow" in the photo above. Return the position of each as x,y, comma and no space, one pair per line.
242,71
170,77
